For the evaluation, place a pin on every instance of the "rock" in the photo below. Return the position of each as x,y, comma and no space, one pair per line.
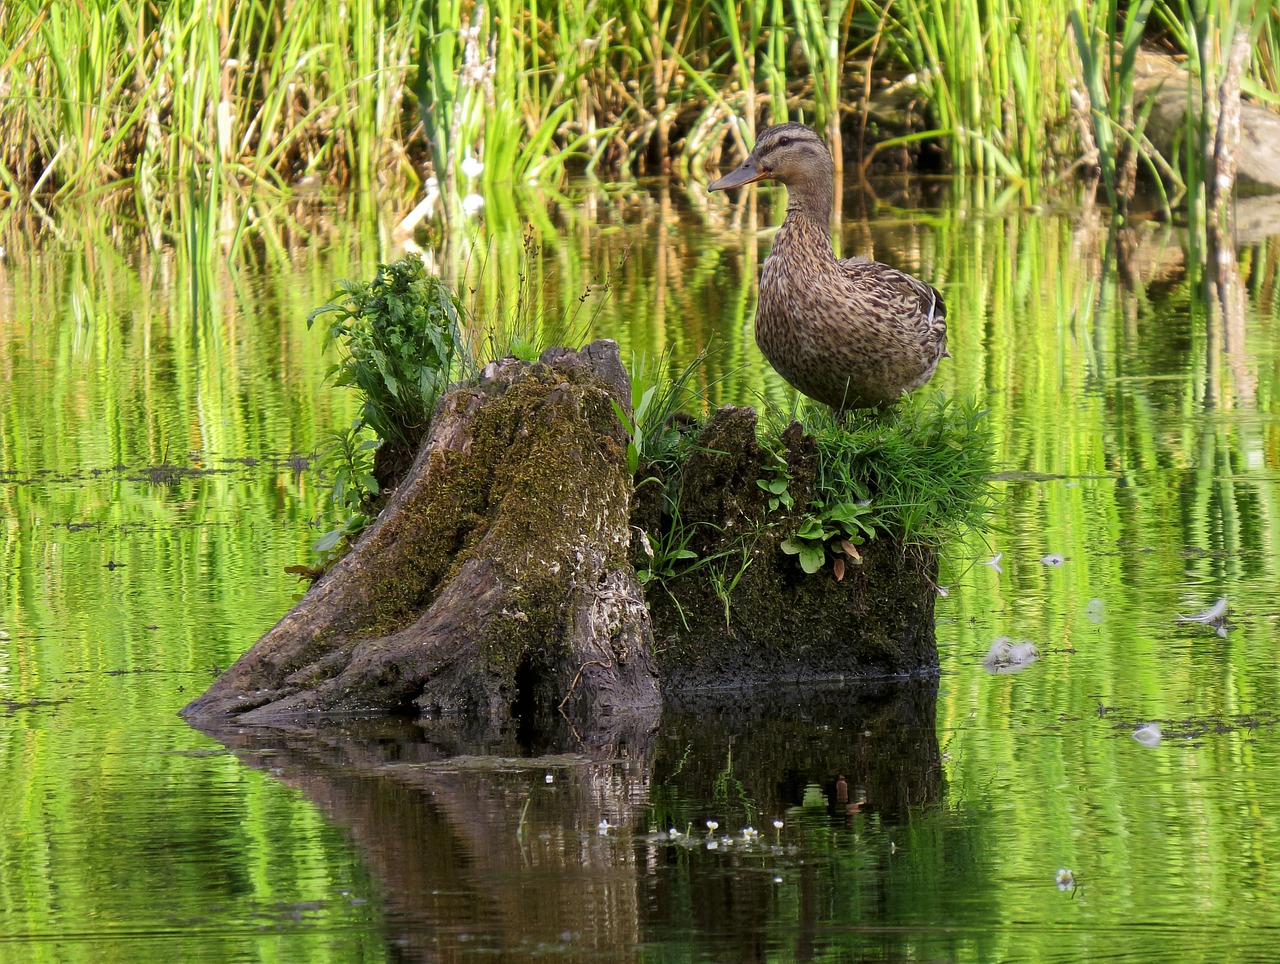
1162,79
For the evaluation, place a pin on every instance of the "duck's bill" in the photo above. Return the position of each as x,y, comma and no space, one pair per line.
748,173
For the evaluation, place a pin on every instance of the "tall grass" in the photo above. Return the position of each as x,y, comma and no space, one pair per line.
479,94
1107,38
996,76
107,92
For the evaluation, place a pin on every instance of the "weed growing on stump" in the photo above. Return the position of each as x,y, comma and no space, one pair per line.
918,473
399,341
922,467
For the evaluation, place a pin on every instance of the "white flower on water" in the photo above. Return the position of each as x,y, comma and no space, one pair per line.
1065,879
994,562
472,204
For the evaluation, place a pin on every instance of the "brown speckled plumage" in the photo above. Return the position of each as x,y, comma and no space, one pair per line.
854,333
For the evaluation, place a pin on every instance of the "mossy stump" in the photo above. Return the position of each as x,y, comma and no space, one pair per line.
746,613
500,578
498,574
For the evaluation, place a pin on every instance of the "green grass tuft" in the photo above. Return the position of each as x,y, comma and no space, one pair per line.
922,468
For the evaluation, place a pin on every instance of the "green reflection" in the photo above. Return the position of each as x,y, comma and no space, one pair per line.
150,415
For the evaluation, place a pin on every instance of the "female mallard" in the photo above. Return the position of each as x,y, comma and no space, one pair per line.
852,333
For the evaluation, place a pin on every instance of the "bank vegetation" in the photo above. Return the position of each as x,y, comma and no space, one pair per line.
455,97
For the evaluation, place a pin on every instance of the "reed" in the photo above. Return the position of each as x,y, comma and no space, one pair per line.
374,96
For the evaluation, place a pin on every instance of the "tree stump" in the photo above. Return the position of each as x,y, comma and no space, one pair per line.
497,576
745,613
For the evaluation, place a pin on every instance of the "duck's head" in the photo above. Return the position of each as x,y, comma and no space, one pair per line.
790,153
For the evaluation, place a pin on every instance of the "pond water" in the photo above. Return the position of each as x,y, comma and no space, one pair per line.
158,419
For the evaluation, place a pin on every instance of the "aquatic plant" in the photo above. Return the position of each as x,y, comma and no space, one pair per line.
267,99
1107,37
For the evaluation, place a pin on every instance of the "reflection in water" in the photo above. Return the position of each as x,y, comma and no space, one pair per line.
568,850
156,430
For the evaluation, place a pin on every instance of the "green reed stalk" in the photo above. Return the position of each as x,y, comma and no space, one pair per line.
822,31
107,92
994,75
1107,39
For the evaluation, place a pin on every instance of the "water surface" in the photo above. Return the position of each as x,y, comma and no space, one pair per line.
158,422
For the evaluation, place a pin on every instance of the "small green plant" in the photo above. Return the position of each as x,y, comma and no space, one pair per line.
724,582
351,458
399,339
919,473
925,465
837,529
667,557
778,484
660,399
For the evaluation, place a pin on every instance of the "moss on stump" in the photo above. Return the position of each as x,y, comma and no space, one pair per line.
743,611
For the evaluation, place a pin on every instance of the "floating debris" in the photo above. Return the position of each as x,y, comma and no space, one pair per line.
1148,735
1215,617
1053,559
994,562
550,778
1006,656
604,827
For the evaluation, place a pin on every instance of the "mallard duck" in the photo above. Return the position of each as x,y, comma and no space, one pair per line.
854,333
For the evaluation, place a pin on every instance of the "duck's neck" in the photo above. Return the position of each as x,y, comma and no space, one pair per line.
808,221
812,201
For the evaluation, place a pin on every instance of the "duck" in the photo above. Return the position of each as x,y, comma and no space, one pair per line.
851,333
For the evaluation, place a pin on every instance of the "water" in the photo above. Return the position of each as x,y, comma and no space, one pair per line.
156,424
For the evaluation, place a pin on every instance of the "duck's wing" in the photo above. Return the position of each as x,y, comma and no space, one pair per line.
896,296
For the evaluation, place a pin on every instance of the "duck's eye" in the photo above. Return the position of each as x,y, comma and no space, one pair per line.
784,141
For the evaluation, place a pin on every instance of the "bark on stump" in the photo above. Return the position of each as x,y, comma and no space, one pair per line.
499,571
